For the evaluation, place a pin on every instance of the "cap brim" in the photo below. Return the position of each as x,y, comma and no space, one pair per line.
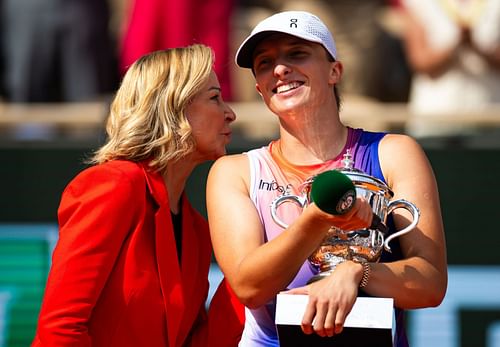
244,55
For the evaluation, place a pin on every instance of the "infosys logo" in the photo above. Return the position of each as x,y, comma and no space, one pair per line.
273,185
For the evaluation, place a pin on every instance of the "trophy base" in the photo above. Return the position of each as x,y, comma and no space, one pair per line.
370,323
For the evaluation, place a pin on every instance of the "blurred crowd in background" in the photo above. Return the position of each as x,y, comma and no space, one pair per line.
439,56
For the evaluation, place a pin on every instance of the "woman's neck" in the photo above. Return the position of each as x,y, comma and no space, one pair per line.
175,177
312,133
312,146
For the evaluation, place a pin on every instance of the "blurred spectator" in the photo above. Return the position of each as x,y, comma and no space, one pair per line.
453,47
373,58
55,50
158,24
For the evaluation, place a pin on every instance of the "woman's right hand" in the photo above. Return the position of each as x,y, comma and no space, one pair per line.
358,217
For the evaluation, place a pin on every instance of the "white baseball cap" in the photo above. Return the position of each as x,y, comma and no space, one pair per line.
296,23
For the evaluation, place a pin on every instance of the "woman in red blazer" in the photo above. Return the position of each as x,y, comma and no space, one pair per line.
131,264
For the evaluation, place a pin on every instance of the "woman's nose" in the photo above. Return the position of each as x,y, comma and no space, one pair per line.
281,69
230,115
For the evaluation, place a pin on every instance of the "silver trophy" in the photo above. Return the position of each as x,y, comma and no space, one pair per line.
358,245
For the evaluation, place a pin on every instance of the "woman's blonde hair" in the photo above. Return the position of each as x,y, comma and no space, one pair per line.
148,119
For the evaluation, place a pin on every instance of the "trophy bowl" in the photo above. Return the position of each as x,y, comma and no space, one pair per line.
364,245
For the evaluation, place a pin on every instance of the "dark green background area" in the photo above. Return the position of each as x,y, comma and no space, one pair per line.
473,325
32,179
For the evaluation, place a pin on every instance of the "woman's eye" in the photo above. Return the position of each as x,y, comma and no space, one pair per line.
298,54
262,63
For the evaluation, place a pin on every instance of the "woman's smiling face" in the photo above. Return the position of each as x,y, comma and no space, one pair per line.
292,72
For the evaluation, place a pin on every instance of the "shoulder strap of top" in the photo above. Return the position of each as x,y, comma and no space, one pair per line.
364,146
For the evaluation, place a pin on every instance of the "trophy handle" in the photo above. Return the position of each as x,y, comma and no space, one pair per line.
301,201
410,208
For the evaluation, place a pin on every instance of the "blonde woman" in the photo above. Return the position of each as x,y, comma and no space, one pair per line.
131,264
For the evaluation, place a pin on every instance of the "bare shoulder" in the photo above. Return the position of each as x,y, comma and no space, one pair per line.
233,163
400,147
401,155
398,143
230,168
230,161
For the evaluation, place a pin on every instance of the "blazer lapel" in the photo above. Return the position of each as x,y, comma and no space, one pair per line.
166,254
190,267
190,249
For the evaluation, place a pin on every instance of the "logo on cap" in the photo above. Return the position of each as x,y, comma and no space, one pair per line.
293,23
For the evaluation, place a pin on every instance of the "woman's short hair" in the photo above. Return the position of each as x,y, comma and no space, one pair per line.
147,119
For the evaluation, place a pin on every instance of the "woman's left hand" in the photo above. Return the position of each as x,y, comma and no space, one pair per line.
330,300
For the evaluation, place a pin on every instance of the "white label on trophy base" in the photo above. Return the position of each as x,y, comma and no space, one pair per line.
370,321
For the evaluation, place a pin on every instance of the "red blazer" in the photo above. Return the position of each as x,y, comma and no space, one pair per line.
115,278
226,318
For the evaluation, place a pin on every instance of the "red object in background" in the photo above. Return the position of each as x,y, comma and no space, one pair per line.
159,24
394,3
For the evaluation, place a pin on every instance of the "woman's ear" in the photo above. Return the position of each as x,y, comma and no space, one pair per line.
258,89
336,71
